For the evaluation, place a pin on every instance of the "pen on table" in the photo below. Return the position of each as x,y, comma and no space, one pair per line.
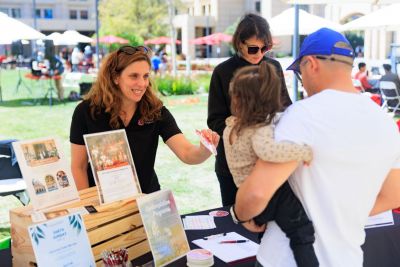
233,241
214,236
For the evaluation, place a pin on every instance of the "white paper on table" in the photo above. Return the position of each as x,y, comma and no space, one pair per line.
199,222
381,219
229,252
117,184
62,242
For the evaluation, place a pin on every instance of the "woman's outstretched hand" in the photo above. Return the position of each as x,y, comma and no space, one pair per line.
210,137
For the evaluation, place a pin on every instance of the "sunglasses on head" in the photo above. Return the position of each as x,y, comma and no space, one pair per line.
130,50
253,49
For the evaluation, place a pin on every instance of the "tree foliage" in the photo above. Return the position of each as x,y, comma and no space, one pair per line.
145,19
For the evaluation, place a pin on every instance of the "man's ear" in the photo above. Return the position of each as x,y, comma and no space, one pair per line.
314,63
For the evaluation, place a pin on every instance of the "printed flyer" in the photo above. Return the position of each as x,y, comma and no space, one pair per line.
163,226
62,242
46,172
112,165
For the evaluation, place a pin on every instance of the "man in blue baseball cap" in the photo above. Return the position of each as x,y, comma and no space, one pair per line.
340,188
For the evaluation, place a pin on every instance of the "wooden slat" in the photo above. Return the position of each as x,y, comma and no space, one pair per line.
110,212
118,227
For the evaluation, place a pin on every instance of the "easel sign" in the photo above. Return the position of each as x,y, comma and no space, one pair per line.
163,225
112,165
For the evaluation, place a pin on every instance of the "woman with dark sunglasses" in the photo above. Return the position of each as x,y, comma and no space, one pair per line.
123,98
251,40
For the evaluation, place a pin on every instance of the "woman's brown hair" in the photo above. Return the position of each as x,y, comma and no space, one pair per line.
107,95
255,94
252,25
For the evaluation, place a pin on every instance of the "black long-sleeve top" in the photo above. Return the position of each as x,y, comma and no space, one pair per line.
219,101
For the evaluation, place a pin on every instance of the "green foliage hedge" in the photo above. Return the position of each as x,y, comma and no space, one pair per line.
168,85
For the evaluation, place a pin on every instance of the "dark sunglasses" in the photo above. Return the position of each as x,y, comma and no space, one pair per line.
130,50
253,49
298,76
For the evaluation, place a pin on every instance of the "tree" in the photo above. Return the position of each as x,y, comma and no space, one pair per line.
134,17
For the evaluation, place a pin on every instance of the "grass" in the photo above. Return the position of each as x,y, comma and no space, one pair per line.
26,116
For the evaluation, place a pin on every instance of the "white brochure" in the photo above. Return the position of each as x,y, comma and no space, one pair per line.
62,242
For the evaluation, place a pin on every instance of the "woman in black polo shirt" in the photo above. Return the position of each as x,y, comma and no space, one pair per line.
123,98
251,41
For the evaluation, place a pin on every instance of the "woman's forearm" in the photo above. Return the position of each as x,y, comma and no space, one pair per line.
80,177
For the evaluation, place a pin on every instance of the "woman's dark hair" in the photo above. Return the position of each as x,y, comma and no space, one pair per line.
255,94
252,25
106,94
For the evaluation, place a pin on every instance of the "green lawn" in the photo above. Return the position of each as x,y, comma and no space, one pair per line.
22,117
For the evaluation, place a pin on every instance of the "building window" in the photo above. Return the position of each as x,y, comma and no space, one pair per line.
84,14
4,10
38,13
204,10
73,14
48,13
16,12
258,6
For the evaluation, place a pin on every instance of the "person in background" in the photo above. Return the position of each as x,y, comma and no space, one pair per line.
389,76
362,76
123,98
251,41
57,68
164,65
88,57
155,63
249,135
341,187
64,54
76,58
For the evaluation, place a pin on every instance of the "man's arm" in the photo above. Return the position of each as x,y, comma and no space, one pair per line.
258,188
389,196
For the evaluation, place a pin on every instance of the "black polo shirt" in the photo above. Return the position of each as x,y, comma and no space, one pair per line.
142,138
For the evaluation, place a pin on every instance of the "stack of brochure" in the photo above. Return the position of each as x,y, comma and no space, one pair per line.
200,258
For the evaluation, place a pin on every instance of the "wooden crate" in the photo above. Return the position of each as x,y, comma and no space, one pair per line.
115,225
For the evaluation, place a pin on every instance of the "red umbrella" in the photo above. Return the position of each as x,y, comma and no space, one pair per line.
111,39
213,39
161,40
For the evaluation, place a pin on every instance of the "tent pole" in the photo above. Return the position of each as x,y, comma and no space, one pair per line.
97,35
295,48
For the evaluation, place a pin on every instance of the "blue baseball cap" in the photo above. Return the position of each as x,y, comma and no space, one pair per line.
323,42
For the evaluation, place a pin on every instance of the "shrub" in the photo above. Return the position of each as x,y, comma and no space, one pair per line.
182,85
167,85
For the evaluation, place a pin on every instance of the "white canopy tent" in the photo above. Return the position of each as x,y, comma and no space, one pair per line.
12,29
56,37
284,24
385,18
69,37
